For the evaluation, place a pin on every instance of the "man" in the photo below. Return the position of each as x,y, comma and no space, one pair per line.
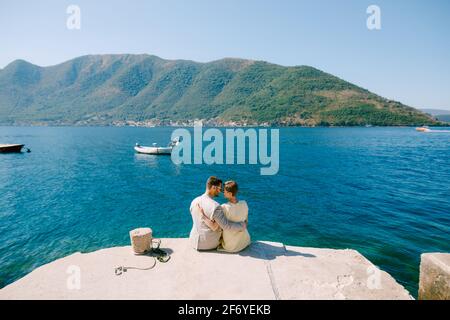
203,237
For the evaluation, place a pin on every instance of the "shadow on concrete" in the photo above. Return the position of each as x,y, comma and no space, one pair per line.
154,254
264,251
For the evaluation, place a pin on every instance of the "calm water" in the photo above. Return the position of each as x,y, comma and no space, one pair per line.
382,191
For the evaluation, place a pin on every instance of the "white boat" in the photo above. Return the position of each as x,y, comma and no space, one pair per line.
423,129
155,149
426,129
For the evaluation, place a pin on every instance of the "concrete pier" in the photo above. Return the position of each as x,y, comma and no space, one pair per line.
434,276
265,270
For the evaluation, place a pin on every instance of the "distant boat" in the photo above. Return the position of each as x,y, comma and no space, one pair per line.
423,129
426,129
9,148
155,149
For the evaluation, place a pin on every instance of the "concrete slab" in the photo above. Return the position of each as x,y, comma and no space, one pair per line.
265,270
434,281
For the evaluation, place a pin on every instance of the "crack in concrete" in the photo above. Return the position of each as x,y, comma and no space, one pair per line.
273,284
272,280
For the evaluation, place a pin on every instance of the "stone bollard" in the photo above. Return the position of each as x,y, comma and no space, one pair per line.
141,240
434,276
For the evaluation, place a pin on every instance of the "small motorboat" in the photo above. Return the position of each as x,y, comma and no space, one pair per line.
9,148
155,149
423,129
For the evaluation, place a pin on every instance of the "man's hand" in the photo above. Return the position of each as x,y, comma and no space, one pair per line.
219,217
201,209
210,223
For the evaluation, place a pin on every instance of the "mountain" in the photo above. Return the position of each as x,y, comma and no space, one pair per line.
443,117
439,114
102,89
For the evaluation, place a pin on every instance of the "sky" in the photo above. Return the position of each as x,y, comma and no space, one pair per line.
407,60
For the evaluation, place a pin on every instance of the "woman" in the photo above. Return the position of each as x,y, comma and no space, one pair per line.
235,211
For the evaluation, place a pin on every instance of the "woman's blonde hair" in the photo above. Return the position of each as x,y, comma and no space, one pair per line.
232,187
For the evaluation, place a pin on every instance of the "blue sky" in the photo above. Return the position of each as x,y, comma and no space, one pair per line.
407,60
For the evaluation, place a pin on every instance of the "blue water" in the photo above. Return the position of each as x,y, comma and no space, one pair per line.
382,191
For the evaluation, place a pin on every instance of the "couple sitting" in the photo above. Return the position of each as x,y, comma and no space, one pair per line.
222,227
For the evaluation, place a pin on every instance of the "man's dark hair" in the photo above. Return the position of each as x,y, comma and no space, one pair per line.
213,181
231,186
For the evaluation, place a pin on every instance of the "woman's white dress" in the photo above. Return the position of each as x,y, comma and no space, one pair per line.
234,241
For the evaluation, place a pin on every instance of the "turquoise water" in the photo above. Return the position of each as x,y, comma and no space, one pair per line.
382,191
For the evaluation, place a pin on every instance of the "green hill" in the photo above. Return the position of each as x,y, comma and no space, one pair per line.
106,88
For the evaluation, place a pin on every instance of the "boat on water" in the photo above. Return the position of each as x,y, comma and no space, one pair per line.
155,149
10,148
423,129
426,129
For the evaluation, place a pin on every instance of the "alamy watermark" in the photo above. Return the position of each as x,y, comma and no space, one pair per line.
73,21
374,278
249,146
374,20
73,281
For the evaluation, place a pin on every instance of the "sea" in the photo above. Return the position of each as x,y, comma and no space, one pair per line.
384,191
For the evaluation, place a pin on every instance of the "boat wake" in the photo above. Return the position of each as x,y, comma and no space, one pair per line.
428,130
439,131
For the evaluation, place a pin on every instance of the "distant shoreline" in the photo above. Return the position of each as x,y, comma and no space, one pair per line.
206,124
